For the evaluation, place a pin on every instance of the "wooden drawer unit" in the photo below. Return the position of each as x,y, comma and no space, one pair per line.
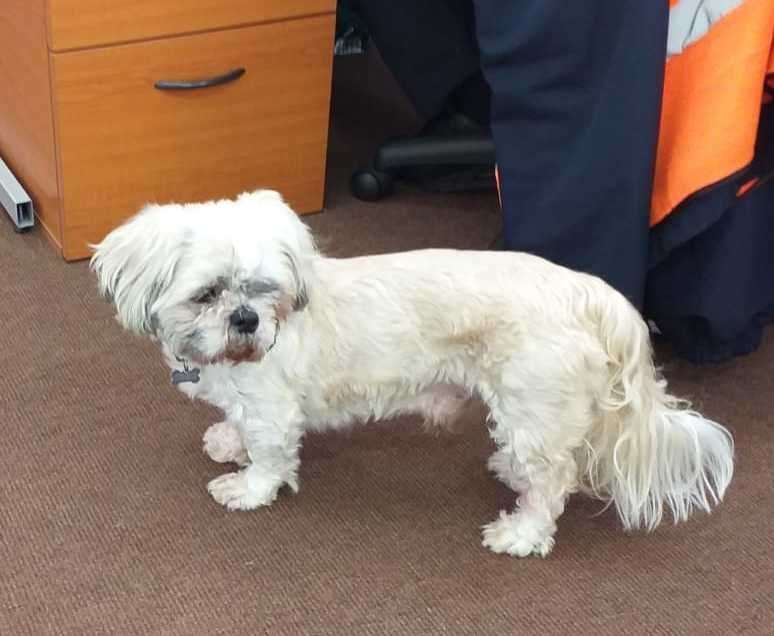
229,96
84,23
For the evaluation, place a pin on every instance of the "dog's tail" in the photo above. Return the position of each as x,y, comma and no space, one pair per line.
648,450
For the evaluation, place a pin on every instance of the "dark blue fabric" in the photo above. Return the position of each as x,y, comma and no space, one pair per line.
575,111
712,296
576,100
711,287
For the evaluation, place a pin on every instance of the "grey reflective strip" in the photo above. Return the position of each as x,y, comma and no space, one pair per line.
690,20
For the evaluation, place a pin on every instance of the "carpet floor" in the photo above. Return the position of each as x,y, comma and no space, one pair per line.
106,526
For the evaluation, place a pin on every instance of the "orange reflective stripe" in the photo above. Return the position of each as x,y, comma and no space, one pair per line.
747,186
711,105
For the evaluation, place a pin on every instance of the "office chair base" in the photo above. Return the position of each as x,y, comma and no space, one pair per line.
453,163
371,184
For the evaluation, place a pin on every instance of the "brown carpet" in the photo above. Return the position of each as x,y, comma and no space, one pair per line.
106,527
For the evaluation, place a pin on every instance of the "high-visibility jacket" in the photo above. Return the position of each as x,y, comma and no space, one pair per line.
719,55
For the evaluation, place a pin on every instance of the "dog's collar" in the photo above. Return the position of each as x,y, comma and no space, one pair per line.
188,374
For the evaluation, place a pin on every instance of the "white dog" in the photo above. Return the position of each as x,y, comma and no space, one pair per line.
253,319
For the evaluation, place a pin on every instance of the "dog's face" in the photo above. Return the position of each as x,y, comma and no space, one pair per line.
213,281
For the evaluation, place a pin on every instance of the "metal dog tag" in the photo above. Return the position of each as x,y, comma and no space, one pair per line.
186,375
179,377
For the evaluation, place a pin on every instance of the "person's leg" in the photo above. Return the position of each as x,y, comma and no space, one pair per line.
576,95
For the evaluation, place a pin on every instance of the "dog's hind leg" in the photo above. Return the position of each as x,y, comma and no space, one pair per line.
530,528
506,468
537,432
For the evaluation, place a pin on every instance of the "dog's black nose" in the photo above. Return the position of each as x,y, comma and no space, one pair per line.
244,320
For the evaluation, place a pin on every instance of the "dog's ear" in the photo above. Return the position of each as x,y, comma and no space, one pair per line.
299,292
135,264
300,256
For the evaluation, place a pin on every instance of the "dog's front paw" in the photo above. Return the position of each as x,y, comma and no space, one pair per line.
517,535
243,491
223,443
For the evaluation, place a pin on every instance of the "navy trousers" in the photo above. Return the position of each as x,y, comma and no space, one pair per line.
576,95
576,100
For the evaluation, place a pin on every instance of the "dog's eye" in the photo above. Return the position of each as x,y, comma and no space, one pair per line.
206,296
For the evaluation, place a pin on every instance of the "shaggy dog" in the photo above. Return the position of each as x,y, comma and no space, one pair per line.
253,319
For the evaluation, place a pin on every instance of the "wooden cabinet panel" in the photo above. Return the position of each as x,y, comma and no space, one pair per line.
26,120
123,142
87,23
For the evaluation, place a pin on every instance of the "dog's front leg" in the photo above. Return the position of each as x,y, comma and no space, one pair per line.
272,449
222,443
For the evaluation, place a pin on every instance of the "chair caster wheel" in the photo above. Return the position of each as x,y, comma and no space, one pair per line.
370,185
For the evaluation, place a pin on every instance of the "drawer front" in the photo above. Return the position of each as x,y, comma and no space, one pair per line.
83,23
123,143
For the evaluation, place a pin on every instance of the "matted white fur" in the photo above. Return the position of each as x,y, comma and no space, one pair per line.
562,361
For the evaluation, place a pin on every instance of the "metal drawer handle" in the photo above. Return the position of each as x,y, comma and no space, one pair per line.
187,85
